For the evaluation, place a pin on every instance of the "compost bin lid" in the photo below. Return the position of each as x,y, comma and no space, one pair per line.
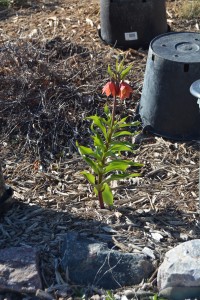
178,46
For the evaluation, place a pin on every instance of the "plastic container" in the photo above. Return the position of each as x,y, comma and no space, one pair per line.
132,23
166,105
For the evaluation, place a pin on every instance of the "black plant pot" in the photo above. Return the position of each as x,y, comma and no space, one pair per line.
166,105
132,23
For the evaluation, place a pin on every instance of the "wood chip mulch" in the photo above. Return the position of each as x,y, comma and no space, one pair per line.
52,69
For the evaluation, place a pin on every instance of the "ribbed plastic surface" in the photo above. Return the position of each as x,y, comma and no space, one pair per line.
132,23
166,103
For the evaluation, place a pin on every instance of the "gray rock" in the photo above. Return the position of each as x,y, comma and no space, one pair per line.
180,270
18,270
149,252
181,293
89,263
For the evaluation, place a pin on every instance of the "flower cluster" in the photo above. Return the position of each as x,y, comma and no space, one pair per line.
121,90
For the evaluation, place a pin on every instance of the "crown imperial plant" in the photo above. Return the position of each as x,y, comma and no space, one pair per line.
104,158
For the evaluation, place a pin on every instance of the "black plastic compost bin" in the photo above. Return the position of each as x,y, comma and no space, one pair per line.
132,23
166,105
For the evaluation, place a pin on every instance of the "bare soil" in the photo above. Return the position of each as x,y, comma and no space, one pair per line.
52,69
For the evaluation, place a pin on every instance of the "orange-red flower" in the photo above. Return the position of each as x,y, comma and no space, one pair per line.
124,90
110,89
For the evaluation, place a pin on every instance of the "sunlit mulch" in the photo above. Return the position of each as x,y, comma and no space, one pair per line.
52,69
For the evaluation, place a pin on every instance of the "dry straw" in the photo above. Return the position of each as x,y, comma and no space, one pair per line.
190,9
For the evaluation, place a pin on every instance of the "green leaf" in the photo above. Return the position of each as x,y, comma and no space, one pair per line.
130,162
122,120
98,142
95,191
136,164
90,177
107,195
117,165
122,133
117,65
120,146
121,176
94,130
155,297
110,72
106,110
98,122
117,142
111,154
125,72
99,152
120,165
92,164
122,125
109,296
121,67
106,121
87,151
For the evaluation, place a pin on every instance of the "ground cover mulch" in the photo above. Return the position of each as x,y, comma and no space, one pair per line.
52,69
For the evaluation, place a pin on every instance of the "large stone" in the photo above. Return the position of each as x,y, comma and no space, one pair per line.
90,263
19,270
180,271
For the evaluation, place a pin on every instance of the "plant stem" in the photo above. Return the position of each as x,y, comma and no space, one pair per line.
100,197
113,114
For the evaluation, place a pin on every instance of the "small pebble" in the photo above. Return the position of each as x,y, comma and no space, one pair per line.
117,297
129,293
124,297
95,297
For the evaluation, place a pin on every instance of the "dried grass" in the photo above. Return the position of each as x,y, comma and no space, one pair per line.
190,9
